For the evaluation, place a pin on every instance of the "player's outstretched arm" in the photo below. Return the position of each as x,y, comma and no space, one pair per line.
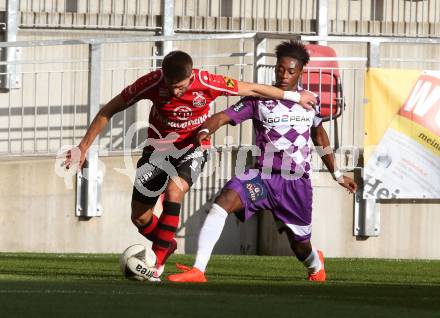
101,119
211,125
322,144
305,98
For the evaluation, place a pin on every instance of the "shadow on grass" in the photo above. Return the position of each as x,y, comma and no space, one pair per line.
215,299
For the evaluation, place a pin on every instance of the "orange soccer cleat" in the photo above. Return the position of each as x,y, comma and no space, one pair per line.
192,275
182,267
319,276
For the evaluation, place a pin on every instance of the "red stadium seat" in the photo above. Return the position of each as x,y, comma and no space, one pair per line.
323,78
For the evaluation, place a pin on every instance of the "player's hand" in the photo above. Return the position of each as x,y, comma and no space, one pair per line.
307,100
75,157
202,137
349,184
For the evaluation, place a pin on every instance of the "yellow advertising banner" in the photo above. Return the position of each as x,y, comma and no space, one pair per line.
402,134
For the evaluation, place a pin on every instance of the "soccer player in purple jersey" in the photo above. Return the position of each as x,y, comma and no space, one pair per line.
284,133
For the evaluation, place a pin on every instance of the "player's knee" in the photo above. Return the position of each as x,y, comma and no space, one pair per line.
135,220
175,191
143,219
140,213
174,195
229,200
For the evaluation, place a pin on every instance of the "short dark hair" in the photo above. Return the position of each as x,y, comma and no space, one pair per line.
177,65
293,49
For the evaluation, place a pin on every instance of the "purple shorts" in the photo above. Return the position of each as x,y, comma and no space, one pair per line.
290,201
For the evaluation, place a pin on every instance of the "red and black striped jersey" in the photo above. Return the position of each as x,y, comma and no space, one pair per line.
182,115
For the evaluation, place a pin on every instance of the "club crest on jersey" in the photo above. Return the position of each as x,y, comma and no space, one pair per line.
229,82
182,112
269,104
255,189
199,100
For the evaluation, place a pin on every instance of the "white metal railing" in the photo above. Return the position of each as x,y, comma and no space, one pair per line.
217,15
413,18
385,17
91,14
51,106
245,15
138,7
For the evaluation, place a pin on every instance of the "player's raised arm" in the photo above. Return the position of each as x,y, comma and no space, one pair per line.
321,141
210,126
101,119
243,110
305,98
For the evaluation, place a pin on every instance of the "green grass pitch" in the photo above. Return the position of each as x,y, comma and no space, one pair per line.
83,285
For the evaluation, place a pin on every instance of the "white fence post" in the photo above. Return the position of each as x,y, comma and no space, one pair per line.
89,180
322,20
9,78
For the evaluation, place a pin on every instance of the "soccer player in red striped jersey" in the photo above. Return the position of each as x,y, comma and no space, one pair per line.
170,162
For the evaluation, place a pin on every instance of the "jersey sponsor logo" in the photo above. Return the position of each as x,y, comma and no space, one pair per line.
255,190
289,118
182,112
193,122
238,107
159,119
229,82
199,100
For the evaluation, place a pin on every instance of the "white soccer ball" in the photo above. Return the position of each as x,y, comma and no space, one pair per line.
137,262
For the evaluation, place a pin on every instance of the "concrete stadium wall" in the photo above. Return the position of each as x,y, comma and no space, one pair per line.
37,214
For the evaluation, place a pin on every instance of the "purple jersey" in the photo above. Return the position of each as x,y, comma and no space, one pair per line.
282,130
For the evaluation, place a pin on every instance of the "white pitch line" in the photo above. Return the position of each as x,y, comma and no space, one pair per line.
62,291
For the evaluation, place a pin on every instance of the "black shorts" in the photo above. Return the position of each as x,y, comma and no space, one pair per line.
154,169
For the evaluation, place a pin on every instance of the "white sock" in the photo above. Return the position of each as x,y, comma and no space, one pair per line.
312,262
209,235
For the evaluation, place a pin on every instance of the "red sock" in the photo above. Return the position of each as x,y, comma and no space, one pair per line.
149,230
166,229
